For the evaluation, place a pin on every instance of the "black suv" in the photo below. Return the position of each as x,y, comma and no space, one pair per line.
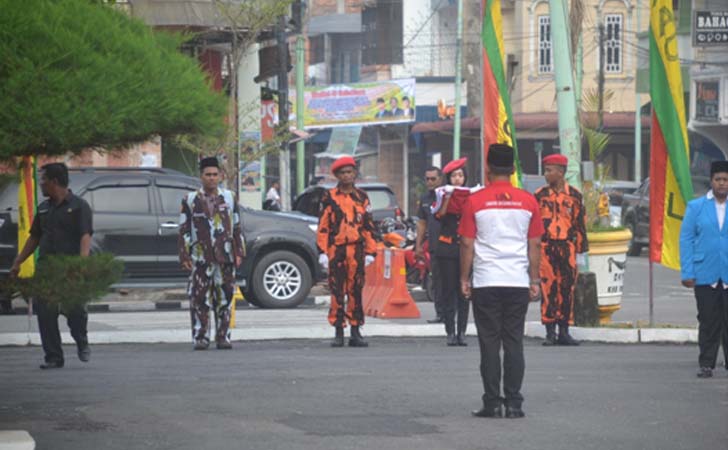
382,199
136,214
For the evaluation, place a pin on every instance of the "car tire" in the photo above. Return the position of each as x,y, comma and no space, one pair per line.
281,279
634,248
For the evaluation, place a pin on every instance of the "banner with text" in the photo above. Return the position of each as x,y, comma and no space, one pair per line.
383,102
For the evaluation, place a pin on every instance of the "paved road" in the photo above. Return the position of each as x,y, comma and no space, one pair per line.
398,394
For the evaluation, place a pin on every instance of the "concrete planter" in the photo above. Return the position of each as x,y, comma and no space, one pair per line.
608,259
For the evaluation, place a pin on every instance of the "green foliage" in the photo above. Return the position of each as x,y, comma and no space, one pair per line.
74,75
68,280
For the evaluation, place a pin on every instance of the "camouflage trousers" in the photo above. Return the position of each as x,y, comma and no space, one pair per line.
211,286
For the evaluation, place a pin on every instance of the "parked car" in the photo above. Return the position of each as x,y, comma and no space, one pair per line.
636,212
136,214
382,198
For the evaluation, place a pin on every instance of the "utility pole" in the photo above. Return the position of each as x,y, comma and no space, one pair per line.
284,156
569,129
300,145
458,82
638,116
600,110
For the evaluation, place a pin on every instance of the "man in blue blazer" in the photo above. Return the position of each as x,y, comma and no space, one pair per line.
704,265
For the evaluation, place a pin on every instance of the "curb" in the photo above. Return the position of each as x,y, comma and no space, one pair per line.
323,331
16,440
170,305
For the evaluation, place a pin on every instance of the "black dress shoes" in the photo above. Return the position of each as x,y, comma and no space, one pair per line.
461,340
705,372
452,341
493,412
514,412
224,345
84,353
52,365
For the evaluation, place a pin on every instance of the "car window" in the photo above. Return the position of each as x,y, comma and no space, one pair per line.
381,199
309,202
172,198
119,199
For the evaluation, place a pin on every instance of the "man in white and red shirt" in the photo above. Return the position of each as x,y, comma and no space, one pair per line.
500,231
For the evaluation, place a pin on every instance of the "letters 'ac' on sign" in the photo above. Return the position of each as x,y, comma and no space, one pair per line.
710,28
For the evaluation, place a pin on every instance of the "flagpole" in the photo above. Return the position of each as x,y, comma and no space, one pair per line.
458,81
652,297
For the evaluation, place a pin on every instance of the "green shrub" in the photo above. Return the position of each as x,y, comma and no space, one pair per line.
70,281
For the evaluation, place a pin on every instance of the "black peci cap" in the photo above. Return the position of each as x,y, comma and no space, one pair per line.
500,155
718,166
210,161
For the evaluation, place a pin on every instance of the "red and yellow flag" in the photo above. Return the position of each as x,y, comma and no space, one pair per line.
670,181
498,126
27,203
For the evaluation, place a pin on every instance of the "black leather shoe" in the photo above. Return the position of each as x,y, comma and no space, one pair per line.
568,341
494,413
338,338
437,319
461,340
550,340
514,412
84,353
52,365
224,345
452,341
705,372
356,339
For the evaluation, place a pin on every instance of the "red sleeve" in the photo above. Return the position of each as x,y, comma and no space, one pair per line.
467,220
535,228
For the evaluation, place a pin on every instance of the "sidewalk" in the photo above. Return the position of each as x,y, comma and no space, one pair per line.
140,322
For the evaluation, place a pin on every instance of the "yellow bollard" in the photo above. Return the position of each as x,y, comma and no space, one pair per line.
238,295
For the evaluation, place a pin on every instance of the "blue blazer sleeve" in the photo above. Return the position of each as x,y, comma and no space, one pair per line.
687,242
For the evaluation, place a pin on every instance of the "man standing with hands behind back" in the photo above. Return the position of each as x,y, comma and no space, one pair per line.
211,246
500,231
704,265
62,226
428,227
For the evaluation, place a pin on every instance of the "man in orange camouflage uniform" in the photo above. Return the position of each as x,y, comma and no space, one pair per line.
562,211
346,245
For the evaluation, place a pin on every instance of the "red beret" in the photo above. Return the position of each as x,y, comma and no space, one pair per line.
556,159
452,166
342,162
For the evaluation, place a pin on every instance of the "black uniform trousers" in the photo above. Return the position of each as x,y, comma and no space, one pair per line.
436,286
500,317
50,335
712,323
451,297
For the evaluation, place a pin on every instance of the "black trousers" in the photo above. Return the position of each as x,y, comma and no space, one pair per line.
50,335
436,286
453,302
500,317
712,323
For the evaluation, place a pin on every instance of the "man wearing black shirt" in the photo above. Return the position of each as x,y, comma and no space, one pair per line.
62,226
428,226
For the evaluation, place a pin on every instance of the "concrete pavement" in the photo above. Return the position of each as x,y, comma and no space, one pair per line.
403,393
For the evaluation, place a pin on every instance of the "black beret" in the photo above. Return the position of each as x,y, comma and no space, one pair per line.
210,161
718,166
500,155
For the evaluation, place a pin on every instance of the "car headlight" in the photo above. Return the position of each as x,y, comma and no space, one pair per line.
313,227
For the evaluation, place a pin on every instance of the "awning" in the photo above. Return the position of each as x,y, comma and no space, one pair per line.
535,125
